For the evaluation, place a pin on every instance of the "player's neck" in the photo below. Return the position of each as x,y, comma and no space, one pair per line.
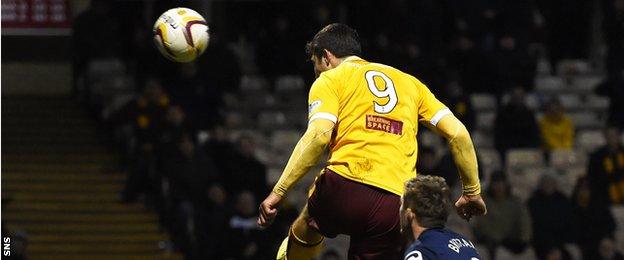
417,230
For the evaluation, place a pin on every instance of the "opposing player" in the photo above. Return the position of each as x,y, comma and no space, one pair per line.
424,211
368,114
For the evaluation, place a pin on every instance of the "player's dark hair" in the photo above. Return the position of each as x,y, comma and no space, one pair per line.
429,198
339,39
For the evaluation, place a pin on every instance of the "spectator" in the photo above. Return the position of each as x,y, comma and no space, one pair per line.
613,26
606,168
515,125
471,66
244,236
456,99
592,219
146,114
613,88
556,127
428,163
248,173
608,250
511,65
507,223
212,222
550,214
557,253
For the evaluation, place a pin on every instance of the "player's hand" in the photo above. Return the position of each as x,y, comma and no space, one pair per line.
268,209
468,206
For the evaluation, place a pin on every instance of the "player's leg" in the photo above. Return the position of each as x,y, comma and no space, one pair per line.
303,241
381,237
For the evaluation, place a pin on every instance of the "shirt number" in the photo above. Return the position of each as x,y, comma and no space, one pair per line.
389,92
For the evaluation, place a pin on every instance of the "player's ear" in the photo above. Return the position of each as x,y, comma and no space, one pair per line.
326,56
409,214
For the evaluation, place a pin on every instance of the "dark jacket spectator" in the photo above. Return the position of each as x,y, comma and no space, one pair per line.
550,214
245,239
515,125
592,219
247,173
606,168
507,223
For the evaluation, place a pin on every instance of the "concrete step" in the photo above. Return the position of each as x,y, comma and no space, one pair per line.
64,177
27,196
102,248
87,228
63,187
97,238
25,208
125,256
74,218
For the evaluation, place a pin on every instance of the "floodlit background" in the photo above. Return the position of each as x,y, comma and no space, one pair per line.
110,151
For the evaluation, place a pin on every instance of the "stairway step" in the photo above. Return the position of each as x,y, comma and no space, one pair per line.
25,208
59,158
97,238
49,218
63,187
125,256
88,228
68,177
95,248
100,197
63,168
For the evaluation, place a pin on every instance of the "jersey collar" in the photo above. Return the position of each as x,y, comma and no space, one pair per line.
352,58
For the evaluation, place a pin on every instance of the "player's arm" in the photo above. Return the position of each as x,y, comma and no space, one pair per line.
323,108
441,119
306,154
462,149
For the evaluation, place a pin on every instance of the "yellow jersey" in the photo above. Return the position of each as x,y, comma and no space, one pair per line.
376,109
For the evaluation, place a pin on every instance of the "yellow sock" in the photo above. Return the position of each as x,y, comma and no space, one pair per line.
302,250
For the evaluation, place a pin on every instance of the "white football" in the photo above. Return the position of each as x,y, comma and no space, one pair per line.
181,34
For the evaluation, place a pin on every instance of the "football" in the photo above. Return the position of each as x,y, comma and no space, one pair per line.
181,34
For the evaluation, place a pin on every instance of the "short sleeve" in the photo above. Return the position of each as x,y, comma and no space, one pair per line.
430,109
323,100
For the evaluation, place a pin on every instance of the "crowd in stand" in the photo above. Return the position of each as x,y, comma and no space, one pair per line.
206,187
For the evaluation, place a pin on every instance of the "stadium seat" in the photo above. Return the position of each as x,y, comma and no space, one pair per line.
251,83
483,102
284,140
574,250
586,120
549,84
526,180
533,101
521,158
289,83
482,139
568,178
618,215
485,120
585,84
597,103
571,102
270,120
564,159
589,140
504,254
430,139
489,158
573,67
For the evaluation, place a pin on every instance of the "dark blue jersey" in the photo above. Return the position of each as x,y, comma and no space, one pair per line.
439,243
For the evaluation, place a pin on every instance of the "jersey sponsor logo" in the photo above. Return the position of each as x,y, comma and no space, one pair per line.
456,244
414,255
384,124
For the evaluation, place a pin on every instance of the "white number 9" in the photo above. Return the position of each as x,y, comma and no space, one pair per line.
389,92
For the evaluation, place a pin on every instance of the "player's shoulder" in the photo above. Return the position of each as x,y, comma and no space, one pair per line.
442,242
418,251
